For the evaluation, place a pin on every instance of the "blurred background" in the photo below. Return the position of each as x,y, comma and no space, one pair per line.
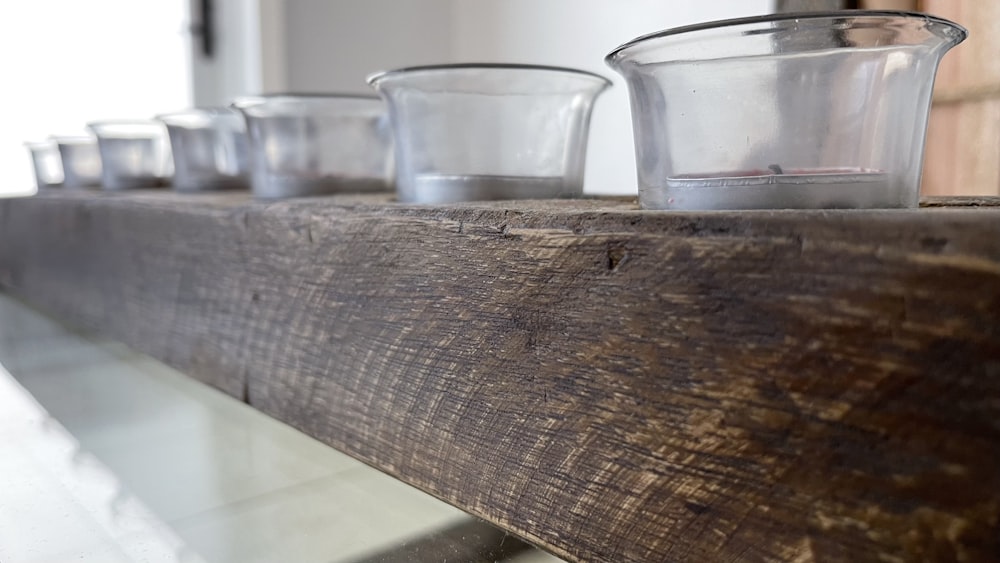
68,62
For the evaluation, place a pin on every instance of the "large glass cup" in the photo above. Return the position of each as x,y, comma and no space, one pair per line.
209,148
481,132
134,154
813,110
317,144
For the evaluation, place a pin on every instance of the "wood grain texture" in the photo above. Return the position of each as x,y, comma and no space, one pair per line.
962,155
963,149
611,384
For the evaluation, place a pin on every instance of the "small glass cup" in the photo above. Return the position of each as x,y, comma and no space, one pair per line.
134,154
811,110
309,145
46,164
81,161
209,148
471,132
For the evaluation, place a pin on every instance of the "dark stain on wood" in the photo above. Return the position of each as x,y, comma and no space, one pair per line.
612,384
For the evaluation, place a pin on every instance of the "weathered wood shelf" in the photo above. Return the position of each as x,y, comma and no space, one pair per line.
612,384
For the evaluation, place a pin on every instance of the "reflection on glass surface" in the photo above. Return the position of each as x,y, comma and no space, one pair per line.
110,456
60,503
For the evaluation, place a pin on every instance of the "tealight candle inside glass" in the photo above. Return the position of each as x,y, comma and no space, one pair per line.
484,132
776,189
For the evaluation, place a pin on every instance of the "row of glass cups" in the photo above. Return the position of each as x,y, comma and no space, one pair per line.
457,133
209,152
792,110
297,146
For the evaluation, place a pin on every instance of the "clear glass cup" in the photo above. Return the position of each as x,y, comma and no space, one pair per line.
308,145
488,131
81,161
134,154
45,162
812,110
210,149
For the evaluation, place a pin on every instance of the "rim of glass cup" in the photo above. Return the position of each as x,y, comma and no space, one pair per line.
768,18
212,111
372,79
40,144
73,139
199,117
128,127
248,101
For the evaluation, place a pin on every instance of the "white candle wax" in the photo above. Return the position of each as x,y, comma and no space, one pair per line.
792,189
450,188
304,185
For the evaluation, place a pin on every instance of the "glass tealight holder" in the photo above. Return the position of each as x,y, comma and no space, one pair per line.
811,110
134,154
472,132
45,163
209,148
312,145
81,161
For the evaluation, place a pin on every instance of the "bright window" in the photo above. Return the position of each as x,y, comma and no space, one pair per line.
67,62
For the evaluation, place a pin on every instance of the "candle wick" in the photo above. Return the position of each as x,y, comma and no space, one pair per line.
775,168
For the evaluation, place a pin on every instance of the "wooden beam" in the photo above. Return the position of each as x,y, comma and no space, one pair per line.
611,384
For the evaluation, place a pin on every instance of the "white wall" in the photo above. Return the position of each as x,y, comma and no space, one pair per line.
333,44
250,51
234,68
